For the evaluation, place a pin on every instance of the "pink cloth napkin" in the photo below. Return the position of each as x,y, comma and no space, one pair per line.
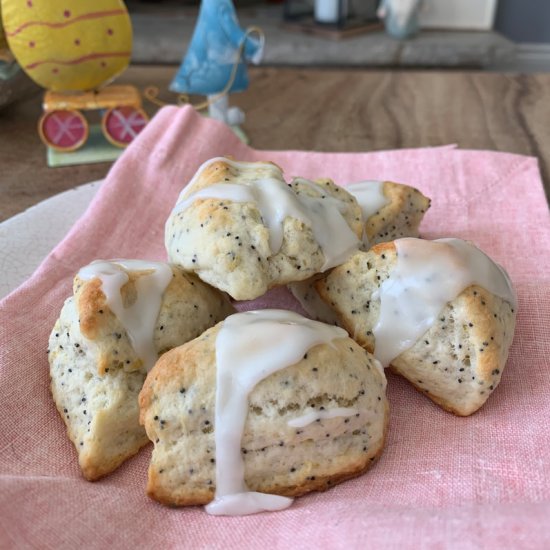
442,481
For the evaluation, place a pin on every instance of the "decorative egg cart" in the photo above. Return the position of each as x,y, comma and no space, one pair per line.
74,50
63,126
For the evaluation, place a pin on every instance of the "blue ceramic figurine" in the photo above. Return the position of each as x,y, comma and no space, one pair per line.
213,51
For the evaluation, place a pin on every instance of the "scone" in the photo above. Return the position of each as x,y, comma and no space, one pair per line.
242,229
390,211
442,313
123,314
265,403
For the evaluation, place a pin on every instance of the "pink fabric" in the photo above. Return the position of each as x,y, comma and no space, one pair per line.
442,481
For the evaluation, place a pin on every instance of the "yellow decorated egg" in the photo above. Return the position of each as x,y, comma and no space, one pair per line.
66,45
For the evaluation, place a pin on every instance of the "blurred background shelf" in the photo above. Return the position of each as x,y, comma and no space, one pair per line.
162,35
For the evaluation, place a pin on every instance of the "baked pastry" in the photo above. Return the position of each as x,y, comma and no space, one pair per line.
242,229
390,211
441,313
109,334
265,401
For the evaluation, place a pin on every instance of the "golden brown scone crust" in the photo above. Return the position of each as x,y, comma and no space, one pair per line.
177,409
458,362
226,243
400,217
96,375
220,170
187,300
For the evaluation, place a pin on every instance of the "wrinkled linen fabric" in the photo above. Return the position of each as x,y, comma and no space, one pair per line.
442,481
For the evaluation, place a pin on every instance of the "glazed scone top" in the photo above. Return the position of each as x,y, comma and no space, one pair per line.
248,172
248,349
370,196
140,317
389,211
317,422
428,274
263,184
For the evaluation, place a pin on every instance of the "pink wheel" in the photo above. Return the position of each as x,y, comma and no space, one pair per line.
122,124
63,130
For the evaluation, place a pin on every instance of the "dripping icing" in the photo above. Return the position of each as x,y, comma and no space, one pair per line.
249,171
139,318
427,275
369,195
248,349
371,198
264,186
329,226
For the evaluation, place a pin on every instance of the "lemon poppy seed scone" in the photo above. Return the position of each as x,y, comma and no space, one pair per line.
390,211
441,313
123,314
266,405
242,229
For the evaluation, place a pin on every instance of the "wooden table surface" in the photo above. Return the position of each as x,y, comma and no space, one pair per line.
323,110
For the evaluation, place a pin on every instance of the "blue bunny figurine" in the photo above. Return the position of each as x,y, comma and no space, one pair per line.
213,51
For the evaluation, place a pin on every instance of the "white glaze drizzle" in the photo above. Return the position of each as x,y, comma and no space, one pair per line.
328,224
369,195
427,275
222,191
249,168
138,319
313,416
251,346
277,201
371,198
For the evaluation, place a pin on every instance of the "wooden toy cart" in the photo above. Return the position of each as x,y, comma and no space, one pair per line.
63,126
